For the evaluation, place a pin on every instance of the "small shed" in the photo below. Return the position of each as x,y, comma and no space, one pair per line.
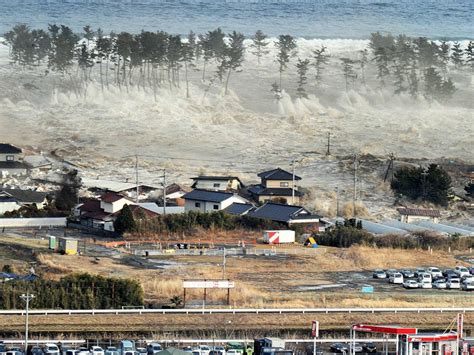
68,246
52,242
410,215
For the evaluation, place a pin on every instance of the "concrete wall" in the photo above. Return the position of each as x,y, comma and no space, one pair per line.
32,222
223,185
3,157
289,200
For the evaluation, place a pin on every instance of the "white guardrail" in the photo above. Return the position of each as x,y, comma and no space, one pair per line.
46,312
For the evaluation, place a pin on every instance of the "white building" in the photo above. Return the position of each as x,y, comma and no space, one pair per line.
217,183
112,202
410,215
14,199
210,201
11,160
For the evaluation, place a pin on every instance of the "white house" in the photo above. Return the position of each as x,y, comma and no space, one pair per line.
112,202
210,201
13,199
410,215
217,183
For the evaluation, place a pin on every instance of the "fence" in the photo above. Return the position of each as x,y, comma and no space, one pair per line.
236,311
32,222
275,251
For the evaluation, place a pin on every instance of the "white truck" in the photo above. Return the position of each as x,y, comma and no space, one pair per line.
279,236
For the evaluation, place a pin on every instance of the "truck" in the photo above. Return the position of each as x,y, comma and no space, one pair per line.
279,236
270,346
127,347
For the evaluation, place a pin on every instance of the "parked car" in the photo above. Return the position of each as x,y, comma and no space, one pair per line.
435,272
219,349
471,270
72,352
467,278
439,284
339,348
461,271
379,274
51,349
448,272
419,271
97,350
357,347
408,274
141,351
234,352
3,350
35,350
369,348
204,349
112,350
15,351
83,351
396,278
153,348
467,286
425,277
410,284
188,349
453,284
390,272
425,284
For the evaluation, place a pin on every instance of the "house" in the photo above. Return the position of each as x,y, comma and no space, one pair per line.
217,183
154,207
410,215
101,214
119,187
11,160
38,162
14,199
276,185
210,201
288,214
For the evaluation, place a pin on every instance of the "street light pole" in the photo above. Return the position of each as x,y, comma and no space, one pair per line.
27,298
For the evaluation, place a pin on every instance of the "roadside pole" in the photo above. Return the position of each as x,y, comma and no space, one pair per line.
314,334
27,298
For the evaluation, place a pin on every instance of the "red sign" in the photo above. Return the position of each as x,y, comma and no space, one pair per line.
315,329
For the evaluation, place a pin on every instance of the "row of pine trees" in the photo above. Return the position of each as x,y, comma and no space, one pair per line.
81,291
416,66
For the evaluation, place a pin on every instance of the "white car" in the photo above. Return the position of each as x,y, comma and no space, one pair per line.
396,278
469,278
425,277
51,349
439,284
425,284
467,286
201,350
97,350
435,272
410,284
461,271
234,352
453,284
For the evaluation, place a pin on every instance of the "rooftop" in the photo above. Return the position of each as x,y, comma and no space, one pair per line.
205,195
26,196
111,197
418,212
214,177
277,174
281,213
6,148
239,208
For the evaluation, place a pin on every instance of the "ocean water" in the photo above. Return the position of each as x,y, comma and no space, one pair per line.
327,19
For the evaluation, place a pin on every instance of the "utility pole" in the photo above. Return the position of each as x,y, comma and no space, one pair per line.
328,152
223,266
136,177
337,201
293,183
424,173
27,298
164,192
355,187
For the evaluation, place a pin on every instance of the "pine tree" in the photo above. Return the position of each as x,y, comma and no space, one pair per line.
447,90
457,55
286,46
382,60
259,45
400,74
321,58
302,67
348,70
413,83
234,55
363,61
433,82
188,54
444,57
470,54
124,221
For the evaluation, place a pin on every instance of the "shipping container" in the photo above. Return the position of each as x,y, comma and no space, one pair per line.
68,246
52,242
279,236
